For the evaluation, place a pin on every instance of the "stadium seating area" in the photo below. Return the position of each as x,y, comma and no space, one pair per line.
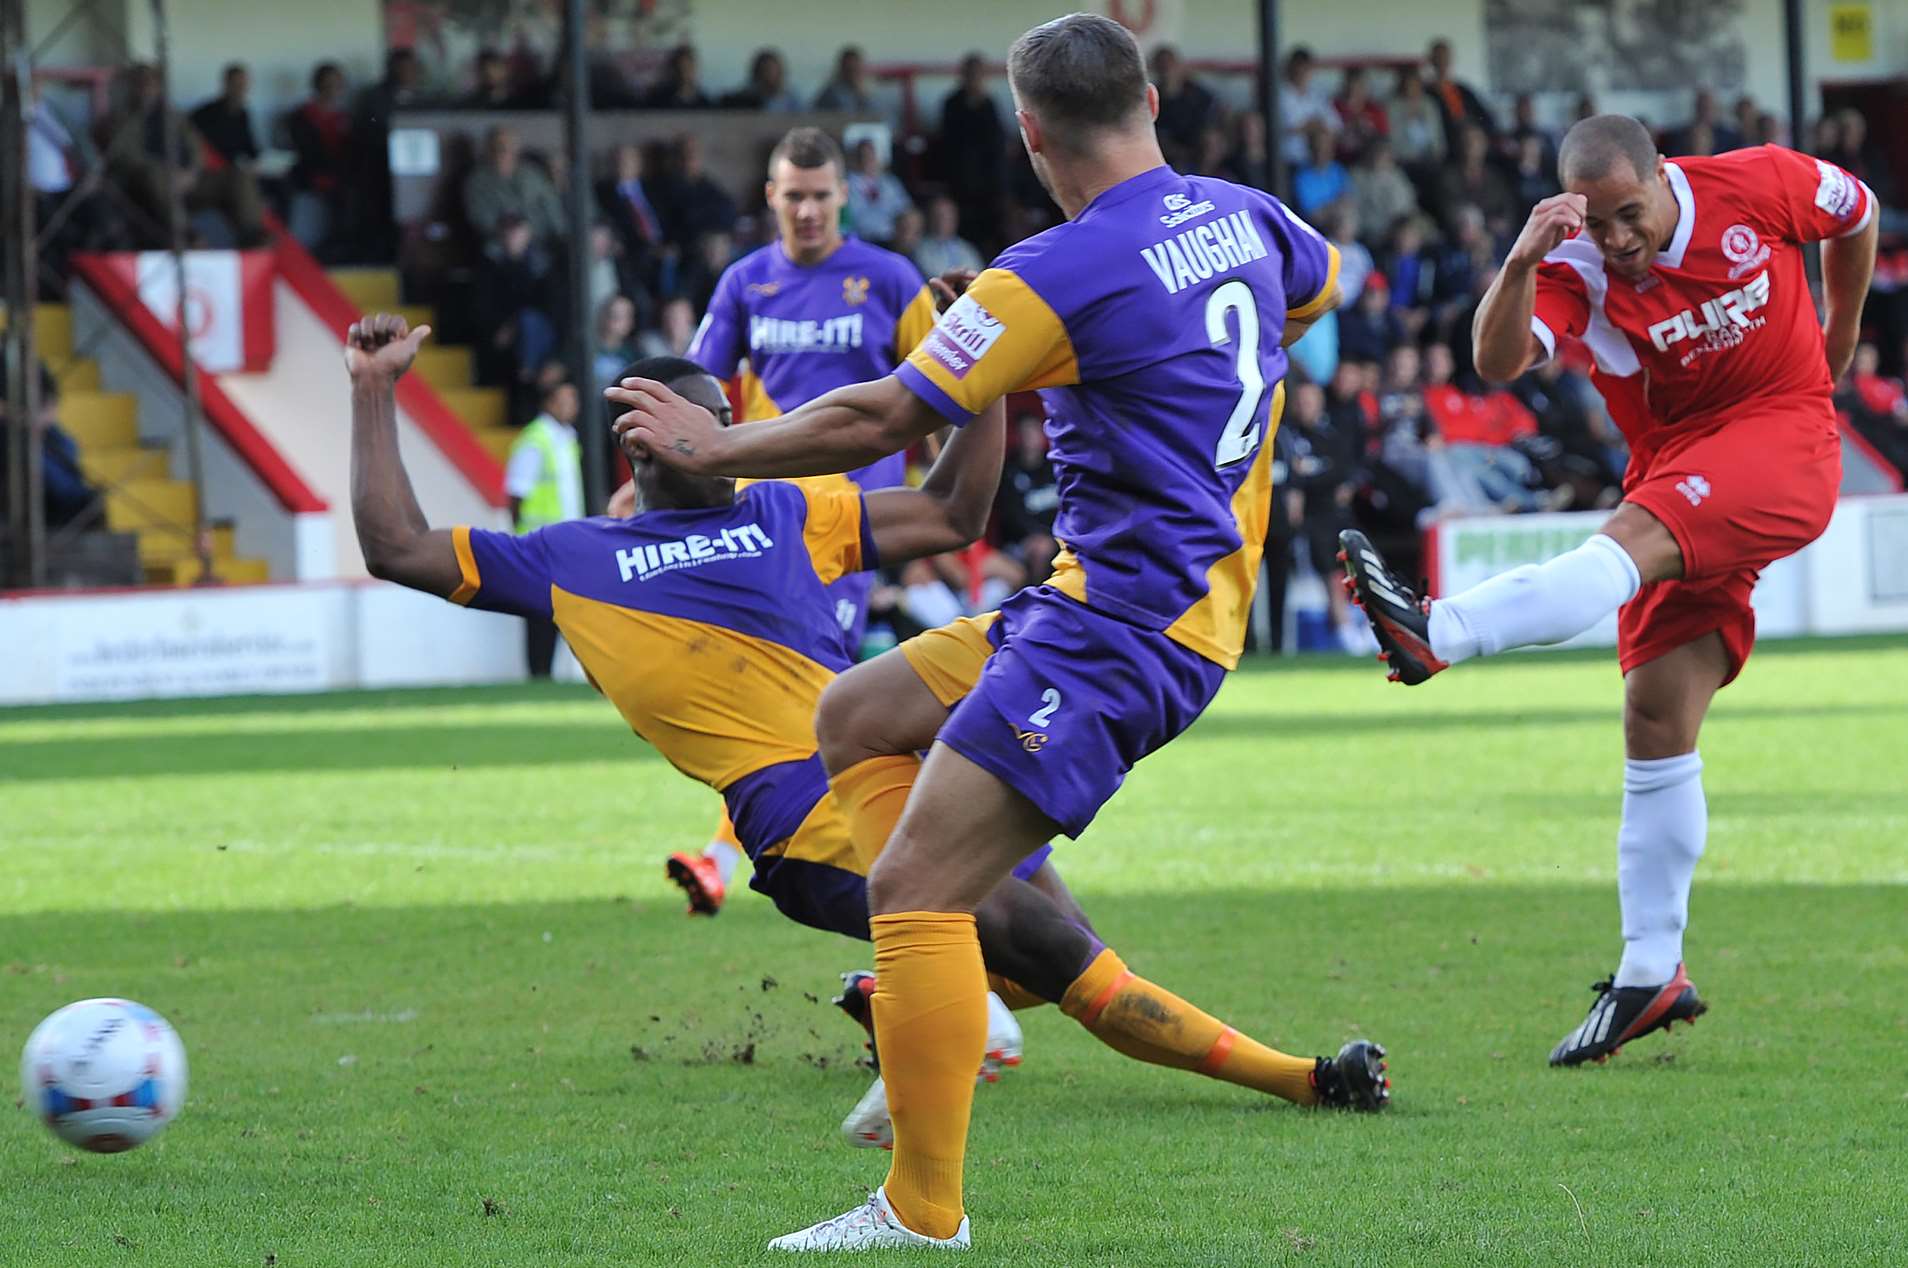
1419,178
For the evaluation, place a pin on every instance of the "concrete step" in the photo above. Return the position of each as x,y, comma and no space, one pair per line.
158,545
119,463
142,504
80,375
372,290
497,440
479,407
184,571
443,367
53,331
102,420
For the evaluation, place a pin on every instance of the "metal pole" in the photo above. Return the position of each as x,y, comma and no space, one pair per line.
189,373
1793,50
1269,95
576,119
26,502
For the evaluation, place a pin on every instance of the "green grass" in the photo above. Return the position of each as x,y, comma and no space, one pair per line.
424,963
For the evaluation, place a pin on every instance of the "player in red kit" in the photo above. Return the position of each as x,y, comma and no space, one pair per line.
1684,279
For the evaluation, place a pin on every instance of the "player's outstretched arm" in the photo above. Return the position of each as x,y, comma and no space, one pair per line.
1848,265
398,543
848,428
952,506
1502,345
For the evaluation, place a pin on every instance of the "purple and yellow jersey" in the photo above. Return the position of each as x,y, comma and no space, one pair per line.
1150,326
807,330
708,630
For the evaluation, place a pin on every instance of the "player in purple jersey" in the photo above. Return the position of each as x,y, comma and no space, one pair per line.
810,312
1153,323
703,617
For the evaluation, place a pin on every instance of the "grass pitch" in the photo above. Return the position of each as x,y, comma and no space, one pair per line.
442,1009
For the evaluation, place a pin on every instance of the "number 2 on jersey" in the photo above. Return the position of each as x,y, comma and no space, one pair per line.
1241,437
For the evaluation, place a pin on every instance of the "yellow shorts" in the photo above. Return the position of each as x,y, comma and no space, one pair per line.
949,660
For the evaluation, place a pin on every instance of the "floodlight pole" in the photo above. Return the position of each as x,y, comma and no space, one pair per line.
1269,95
188,372
576,118
26,503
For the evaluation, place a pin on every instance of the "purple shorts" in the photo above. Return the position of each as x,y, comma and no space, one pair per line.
1070,699
849,597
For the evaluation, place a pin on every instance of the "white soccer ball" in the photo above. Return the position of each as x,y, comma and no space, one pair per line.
104,1074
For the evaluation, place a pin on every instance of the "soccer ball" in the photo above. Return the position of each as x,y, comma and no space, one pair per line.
104,1074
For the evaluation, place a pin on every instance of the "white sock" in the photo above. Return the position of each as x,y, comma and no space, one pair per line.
1665,822
726,856
1535,603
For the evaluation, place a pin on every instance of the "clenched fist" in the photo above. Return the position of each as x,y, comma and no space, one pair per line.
1551,221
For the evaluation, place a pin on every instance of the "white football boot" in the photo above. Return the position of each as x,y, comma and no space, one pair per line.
871,1226
868,1125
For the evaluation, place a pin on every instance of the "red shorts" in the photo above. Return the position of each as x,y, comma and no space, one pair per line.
1736,500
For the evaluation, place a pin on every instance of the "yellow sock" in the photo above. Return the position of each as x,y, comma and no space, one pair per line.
871,794
930,1020
1149,1023
1012,993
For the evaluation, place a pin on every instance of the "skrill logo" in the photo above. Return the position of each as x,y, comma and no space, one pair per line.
640,563
963,335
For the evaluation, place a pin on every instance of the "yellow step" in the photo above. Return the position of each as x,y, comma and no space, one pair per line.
118,463
160,545
53,331
443,367
229,571
101,419
497,440
81,375
479,407
141,504
416,315
372,290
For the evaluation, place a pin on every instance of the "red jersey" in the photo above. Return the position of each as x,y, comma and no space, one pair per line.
1724,316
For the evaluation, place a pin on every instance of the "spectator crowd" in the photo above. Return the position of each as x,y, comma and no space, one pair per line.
1418,178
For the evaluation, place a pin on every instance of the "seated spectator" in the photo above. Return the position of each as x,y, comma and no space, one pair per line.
1535,172
223,203
1322,464
374,231
680,87
1417,127
1590,455
1876,407
1720,137
1304,105
67,498
1250,163
1340,226
972,149
767,89
503,185
610,271
1745,118
1028,500
1411,268
1362,115
875,195
1186,107
1321,179
1524,125
615,340
75,216
675,330
1697,141
697,205
1369,328
515,294
909,226
1215,148
942,248
847,88
702,268
494,89
1466,256
630,203
1476,434
1861,158
225,122
1458,102
1474,181
320,135
1382,192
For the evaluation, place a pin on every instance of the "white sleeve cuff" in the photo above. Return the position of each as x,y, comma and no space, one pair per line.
1544,336
1868,212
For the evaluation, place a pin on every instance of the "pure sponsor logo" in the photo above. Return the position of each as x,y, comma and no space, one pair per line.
1720,323
1228,243
1744,250
1836,192
783,334
963,335
1695,488
1180,209
640,563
